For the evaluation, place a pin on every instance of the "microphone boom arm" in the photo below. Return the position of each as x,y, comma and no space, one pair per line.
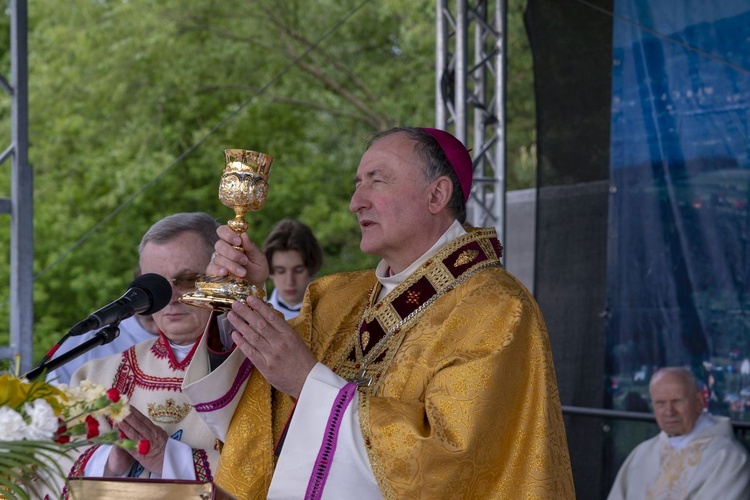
103,336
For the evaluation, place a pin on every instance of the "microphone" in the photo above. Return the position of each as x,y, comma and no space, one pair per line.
147,294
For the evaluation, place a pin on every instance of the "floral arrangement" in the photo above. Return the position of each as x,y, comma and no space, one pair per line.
40,422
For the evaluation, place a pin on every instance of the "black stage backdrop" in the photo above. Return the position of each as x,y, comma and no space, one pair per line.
571,44
643,209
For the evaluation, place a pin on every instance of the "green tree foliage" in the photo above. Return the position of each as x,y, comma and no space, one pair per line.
133,101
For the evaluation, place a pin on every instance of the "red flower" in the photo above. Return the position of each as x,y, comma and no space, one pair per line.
62,438
122,434
92,427
113,395
144,445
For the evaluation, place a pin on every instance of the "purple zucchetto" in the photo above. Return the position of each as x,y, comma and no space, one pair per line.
458,156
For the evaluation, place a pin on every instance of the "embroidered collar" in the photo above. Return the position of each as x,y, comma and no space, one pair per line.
384,322
705,421
391,281
162,348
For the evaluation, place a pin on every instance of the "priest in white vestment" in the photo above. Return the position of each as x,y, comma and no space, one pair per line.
695,456
150,373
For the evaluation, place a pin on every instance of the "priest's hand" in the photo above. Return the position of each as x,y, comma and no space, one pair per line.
118,462
274,348
248,263
137,426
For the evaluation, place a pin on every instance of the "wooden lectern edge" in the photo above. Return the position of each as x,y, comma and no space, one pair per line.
151,489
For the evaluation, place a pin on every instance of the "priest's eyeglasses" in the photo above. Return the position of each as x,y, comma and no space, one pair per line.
185,282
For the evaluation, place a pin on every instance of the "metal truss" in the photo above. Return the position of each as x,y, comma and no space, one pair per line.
20,204
470,88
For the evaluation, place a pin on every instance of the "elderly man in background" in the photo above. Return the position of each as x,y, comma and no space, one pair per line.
694,456
428,377
150,373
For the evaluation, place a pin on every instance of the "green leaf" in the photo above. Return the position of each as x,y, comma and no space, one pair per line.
20,461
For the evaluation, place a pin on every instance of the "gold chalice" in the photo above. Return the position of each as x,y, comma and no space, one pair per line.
243,188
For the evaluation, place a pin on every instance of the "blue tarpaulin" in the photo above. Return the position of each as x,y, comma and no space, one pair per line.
678,252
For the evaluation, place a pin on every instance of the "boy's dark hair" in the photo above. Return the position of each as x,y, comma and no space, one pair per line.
290,234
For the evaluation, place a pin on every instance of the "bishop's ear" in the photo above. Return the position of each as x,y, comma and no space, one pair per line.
440,194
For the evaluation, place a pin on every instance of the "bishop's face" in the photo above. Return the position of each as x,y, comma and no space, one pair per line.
179,260
390,199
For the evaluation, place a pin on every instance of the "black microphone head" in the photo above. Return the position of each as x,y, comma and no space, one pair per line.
157,288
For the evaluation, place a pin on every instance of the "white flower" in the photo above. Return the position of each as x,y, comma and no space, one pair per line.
12,425
43,424
118,411
80,399
89,391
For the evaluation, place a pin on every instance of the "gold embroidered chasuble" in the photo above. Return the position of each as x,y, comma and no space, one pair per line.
463,401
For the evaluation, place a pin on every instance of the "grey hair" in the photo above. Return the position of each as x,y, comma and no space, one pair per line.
686,375
172,226
436,164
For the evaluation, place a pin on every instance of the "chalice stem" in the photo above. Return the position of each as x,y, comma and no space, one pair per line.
239,225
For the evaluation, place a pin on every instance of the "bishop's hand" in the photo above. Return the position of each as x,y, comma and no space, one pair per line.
239,256
274,348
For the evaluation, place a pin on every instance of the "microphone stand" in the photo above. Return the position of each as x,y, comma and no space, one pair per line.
103,336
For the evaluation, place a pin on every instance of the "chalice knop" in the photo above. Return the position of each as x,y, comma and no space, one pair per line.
243,188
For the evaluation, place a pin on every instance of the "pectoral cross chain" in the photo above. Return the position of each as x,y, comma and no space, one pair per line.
362,380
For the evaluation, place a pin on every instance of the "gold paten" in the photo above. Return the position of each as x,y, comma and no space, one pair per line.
243,188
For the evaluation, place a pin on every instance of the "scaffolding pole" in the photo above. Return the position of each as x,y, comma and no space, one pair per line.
20,204
470,88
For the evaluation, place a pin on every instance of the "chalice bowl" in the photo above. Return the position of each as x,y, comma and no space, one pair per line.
243,188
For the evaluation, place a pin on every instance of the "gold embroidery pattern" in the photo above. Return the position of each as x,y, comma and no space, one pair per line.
383,311
365,339
168,413
487,247
412,297
436,271
677,467
377,466
465,257
376,361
